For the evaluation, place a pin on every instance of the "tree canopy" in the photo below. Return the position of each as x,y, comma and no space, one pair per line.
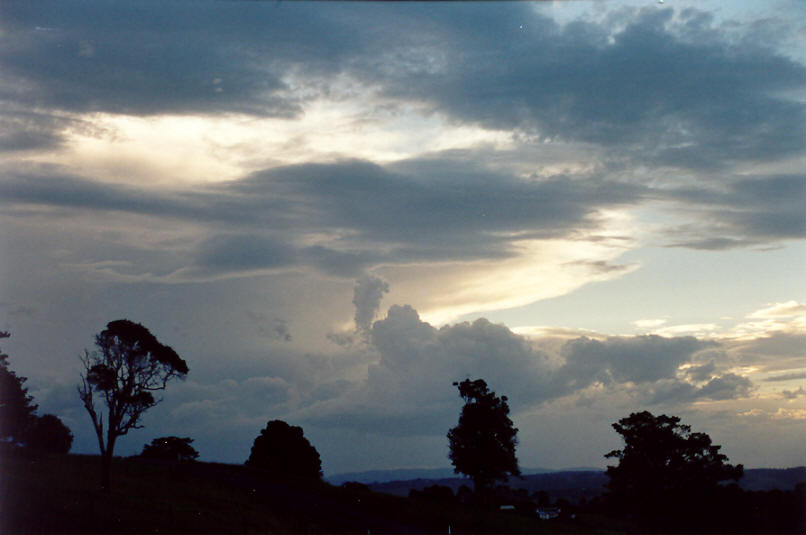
128,367
48,434
170,449
482,445
282,451
664,467
17,407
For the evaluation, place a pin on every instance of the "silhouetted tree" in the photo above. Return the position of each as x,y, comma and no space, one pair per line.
128,367
482,445
17,408
666,474
48,434
170,449
282,451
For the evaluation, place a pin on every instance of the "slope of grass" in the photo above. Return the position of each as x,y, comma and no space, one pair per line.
60,494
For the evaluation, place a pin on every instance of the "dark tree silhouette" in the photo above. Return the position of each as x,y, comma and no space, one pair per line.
482,446
128,367
17,408
48,434
282,451
170,449
666,473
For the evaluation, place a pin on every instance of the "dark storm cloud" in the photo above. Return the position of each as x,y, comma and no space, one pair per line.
422,212
774,353
746,211
727,386
26,130
244,252
702,372
207,57
372,214
664,88
157,58
658,91
786,377
640,359
49,187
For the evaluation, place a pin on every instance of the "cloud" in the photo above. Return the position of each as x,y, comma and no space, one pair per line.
243,252
777,352
649,323
30,130
638,359
341,218
275,329
702,372
793,394
658,87
787,377
367,297
780,310
208,406
662,89
750,211
150,59
728,386
407,387
790,414
695,329
674,391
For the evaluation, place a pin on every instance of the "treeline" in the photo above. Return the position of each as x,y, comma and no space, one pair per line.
665,477
21,428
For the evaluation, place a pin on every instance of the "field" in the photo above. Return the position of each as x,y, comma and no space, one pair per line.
60,494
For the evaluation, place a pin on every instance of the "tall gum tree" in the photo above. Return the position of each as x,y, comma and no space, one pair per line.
128,367
482,445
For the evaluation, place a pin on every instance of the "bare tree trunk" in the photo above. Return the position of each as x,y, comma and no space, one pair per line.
106,462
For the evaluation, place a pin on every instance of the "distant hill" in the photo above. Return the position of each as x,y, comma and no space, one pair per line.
571,485
407,474
773,478
383,476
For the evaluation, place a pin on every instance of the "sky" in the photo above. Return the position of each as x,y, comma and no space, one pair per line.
332,211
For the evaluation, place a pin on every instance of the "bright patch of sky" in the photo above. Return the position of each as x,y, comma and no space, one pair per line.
210,149
679,286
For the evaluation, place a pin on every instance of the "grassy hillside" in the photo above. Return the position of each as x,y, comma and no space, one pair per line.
59,494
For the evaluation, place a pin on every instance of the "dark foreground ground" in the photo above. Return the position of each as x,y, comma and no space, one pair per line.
59,494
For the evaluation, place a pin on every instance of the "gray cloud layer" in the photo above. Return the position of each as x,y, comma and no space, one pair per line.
658,89
370,214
